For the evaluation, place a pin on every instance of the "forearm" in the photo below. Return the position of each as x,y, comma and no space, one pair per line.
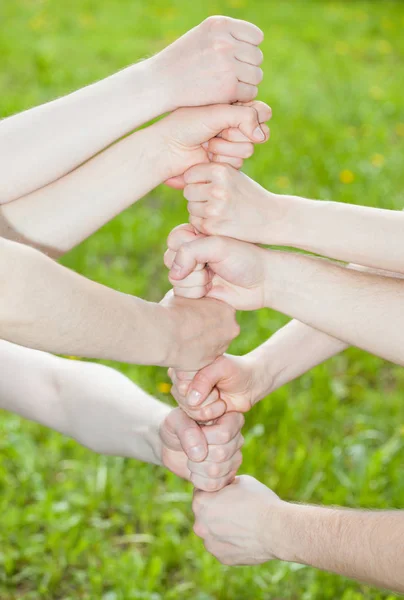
295,349
292,351
362,309
59,216
368,236
46,306
48,141
94,404
363,545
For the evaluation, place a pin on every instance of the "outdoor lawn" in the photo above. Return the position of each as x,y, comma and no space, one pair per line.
80,526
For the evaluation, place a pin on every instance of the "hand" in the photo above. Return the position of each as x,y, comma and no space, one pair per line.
216,62
184,136
201,331
209,457
237,522
224,201
237,272
228,384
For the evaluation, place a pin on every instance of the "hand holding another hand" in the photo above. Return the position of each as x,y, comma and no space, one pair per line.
209,457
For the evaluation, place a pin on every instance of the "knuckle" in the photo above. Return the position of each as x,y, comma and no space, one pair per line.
213,470
219,454
198,529
211,485
216,22
259,75
219,170
218,193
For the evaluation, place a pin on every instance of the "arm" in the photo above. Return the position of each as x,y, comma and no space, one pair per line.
46,306
239,382
103,410
223,201
359,308
61,215
216,62
246,523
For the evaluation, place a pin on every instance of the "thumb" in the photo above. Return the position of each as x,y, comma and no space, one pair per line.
182,432
205,250
243,117
177,183
203,383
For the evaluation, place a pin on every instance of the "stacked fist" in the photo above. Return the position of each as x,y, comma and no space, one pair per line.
201,263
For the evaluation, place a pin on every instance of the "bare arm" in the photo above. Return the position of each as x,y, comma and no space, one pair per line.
46,306
362,309
246,523
60,215
105,411
371,237
216,62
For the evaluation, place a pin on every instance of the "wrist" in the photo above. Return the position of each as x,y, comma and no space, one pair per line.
260,375
279,540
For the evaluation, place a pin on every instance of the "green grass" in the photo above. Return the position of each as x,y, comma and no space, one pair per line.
333,74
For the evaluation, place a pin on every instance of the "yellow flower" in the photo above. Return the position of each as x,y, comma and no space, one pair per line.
283,182
164,388
346,176
400,129
377,160
72,357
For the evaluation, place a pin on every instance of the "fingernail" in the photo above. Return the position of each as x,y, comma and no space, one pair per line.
259,134
194,398
196,452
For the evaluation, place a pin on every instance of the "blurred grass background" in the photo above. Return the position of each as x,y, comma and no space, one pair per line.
80,526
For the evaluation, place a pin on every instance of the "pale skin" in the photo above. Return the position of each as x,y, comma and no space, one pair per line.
217,62
47,307
222,201
246,523
240,382
360,308
106,412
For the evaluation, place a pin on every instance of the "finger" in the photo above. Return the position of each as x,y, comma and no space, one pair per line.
234,134
195,279
203,173
223,116
198,223
177,183
203,383
216,470
194,293
179,431
264,111
225,429
238,150
249,73
246,32
246,92
248,53
197,209
234,162
212,485
225,451
207,414
197,192
181,235
205,250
